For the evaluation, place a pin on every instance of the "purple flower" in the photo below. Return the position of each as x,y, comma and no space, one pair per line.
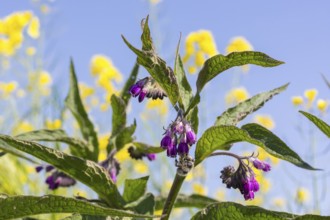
166,142
147,87
172,151
260,165
191,137
113,175
250,186
59,179
142,95
39,168
183,148
151,157
135,90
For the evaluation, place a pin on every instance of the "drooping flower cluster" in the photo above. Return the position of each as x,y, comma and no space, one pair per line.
147,87
57,178
244,178
179,136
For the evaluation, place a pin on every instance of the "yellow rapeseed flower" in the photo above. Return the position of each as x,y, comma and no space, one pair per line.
238,44
140,167
85,90
102,65
192,69
22,127
123,154
297,100
322,105
220,195
265,120
310,95
199,189
199,59
279,202
53,124
30,51
236,95
8,88
45,78
302,195
158,105
34,28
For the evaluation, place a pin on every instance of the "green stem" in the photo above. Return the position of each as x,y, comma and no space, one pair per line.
176,186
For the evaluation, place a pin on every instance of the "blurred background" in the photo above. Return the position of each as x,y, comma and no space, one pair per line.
43,35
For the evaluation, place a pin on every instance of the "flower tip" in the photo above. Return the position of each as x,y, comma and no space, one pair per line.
39,168
135,90
151,157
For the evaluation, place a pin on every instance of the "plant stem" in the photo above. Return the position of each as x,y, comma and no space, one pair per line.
176,186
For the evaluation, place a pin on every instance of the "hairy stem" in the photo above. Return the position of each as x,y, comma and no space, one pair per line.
176,186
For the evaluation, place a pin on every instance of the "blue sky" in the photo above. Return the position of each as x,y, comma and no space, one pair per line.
296,32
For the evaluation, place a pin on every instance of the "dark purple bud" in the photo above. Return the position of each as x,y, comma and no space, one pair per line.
261,165
249,195
266,167
39,168
191,137
113,175
183,149
166,142
142,95
51,182
135,90
171,151
254,185
49,168
151,157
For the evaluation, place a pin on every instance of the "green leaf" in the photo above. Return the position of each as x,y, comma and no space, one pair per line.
140,147
74,103
118,114
86,171
135,188
324,127
78,147
16,153
125,95
221,137
21,206
184,201
193,118
237,113
219,63
144,205
185,91
235,211
158,69
147,44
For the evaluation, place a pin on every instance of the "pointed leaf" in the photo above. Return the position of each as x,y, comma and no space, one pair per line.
77,147
147,44
324,127
144,205
185,91
135,188
219,63
118,114
235,211
125,95
193,118
221,137
140,147
74,103
87,172
184,201
237,113
124,137
22,206
159,71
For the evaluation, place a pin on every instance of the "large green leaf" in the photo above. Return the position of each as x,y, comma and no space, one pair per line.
156,66
144,205
74,103
118,114
77,147
234,211
237,113
135,188
219,63
16,153
184,201
221,137
125,95
324,127
22,206
86,171
185,91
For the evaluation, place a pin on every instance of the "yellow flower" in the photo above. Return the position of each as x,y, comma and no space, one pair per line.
158,105
322,105
199,189
140,167
279,202
199,59
122,155
30,51
263,155
8,88
297,100
56,124
236,95
22,127
264,183
192,69
104,107
220,194
44,9
44,78
102,65
258,200
265,120
189,177
33,29
238,44
310,95
302,195
85,90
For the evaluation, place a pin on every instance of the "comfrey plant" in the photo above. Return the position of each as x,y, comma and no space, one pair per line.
81,164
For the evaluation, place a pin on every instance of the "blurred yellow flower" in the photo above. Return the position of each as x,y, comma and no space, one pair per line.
322,105
279,202
53,124
85,90
192,69
104,107
30,51
123,154
258,200
22,127
199,189
310,95
265,120
199,59
236,95
189,177
158,105
140,167
102,65
220,195
6,89
238,44
45,78
34,28
297,100
263,155
302,195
